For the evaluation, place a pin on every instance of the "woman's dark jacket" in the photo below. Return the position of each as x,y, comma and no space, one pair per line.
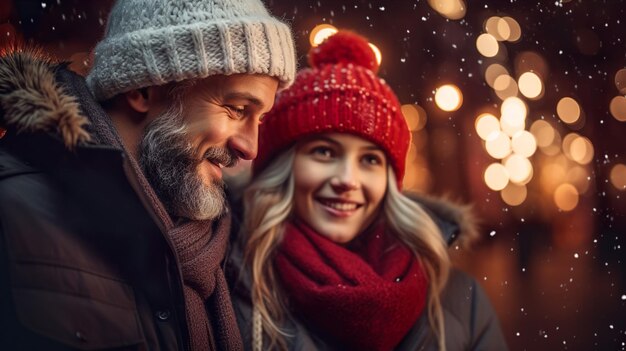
470,321
83,264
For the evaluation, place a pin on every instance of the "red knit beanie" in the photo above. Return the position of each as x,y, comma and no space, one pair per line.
339,94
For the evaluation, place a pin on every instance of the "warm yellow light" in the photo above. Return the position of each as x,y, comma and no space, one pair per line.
520,170
487,45
513,117
505,86
496,177
523,143
486,124
620,80
618,176
491,27
552,175
568,110
321,33
579,177
530,85
618,108
494,71
578,148
451,9
415,116
566,197
544,132
498,145
379,56
514,195
448,97
514,29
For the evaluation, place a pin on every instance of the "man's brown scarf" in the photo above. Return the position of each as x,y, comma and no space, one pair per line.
200,247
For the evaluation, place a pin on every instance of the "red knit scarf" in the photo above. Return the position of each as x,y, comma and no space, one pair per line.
365,297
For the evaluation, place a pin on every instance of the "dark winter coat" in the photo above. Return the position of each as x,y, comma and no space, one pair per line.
470,321
83,264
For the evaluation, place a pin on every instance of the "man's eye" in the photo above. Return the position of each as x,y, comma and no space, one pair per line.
239,111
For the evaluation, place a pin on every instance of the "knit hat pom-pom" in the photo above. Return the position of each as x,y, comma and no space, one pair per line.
344,47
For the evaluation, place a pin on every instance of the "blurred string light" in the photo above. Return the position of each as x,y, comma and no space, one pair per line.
514,195
496,176
450,9
503,28
505,87
618,108
415,116
486,124
566,197
379,56
320,33
494,71
618,176
620,81
487,45
323,31
568,110
530,85
448,97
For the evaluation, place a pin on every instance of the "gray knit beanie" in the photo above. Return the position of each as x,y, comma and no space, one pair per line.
154,42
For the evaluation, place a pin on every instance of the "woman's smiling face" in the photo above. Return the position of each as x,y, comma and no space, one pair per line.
340,182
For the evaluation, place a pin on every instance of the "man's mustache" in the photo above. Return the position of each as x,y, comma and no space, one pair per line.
223,156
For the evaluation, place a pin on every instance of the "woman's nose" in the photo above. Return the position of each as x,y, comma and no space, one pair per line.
346,179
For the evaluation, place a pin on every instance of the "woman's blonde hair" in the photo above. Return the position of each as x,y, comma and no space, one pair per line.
268,204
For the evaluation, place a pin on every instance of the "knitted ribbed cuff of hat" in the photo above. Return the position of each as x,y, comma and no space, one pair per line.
158,56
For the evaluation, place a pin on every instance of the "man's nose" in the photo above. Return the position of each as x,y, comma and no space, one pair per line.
244,143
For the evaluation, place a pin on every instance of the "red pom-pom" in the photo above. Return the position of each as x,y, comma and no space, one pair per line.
344,47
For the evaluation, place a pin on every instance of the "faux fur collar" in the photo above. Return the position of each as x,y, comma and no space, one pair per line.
32,101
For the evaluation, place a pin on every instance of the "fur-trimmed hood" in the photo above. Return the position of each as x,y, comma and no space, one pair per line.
32,101
457,222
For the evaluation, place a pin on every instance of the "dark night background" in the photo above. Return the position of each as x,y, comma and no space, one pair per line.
556,277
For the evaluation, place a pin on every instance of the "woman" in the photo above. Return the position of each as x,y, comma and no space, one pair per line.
331,256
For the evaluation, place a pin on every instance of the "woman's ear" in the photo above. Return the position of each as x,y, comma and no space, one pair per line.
138,100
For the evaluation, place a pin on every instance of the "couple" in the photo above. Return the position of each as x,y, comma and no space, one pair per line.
114,224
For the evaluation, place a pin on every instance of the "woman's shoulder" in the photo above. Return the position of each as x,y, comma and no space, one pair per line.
457,222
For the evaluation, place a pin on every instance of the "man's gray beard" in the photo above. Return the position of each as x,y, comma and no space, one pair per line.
171,166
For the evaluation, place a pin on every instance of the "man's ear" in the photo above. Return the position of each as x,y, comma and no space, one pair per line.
138,100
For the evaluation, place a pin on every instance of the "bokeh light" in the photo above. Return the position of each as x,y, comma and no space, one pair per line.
618,108
448,97
530,85
320,33
530,61
578,148
515,31
493,71
620,81
519,168
523,143
487,45
377,53
496,176
505,86
513,117
498,145
566,197
543,131
415,116
486,124
578,176
514,195
618,176
451,9
568,110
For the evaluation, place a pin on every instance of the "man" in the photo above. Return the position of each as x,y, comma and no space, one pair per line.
113,222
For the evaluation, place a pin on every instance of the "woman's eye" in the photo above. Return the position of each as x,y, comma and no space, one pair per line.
372,160
322,152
